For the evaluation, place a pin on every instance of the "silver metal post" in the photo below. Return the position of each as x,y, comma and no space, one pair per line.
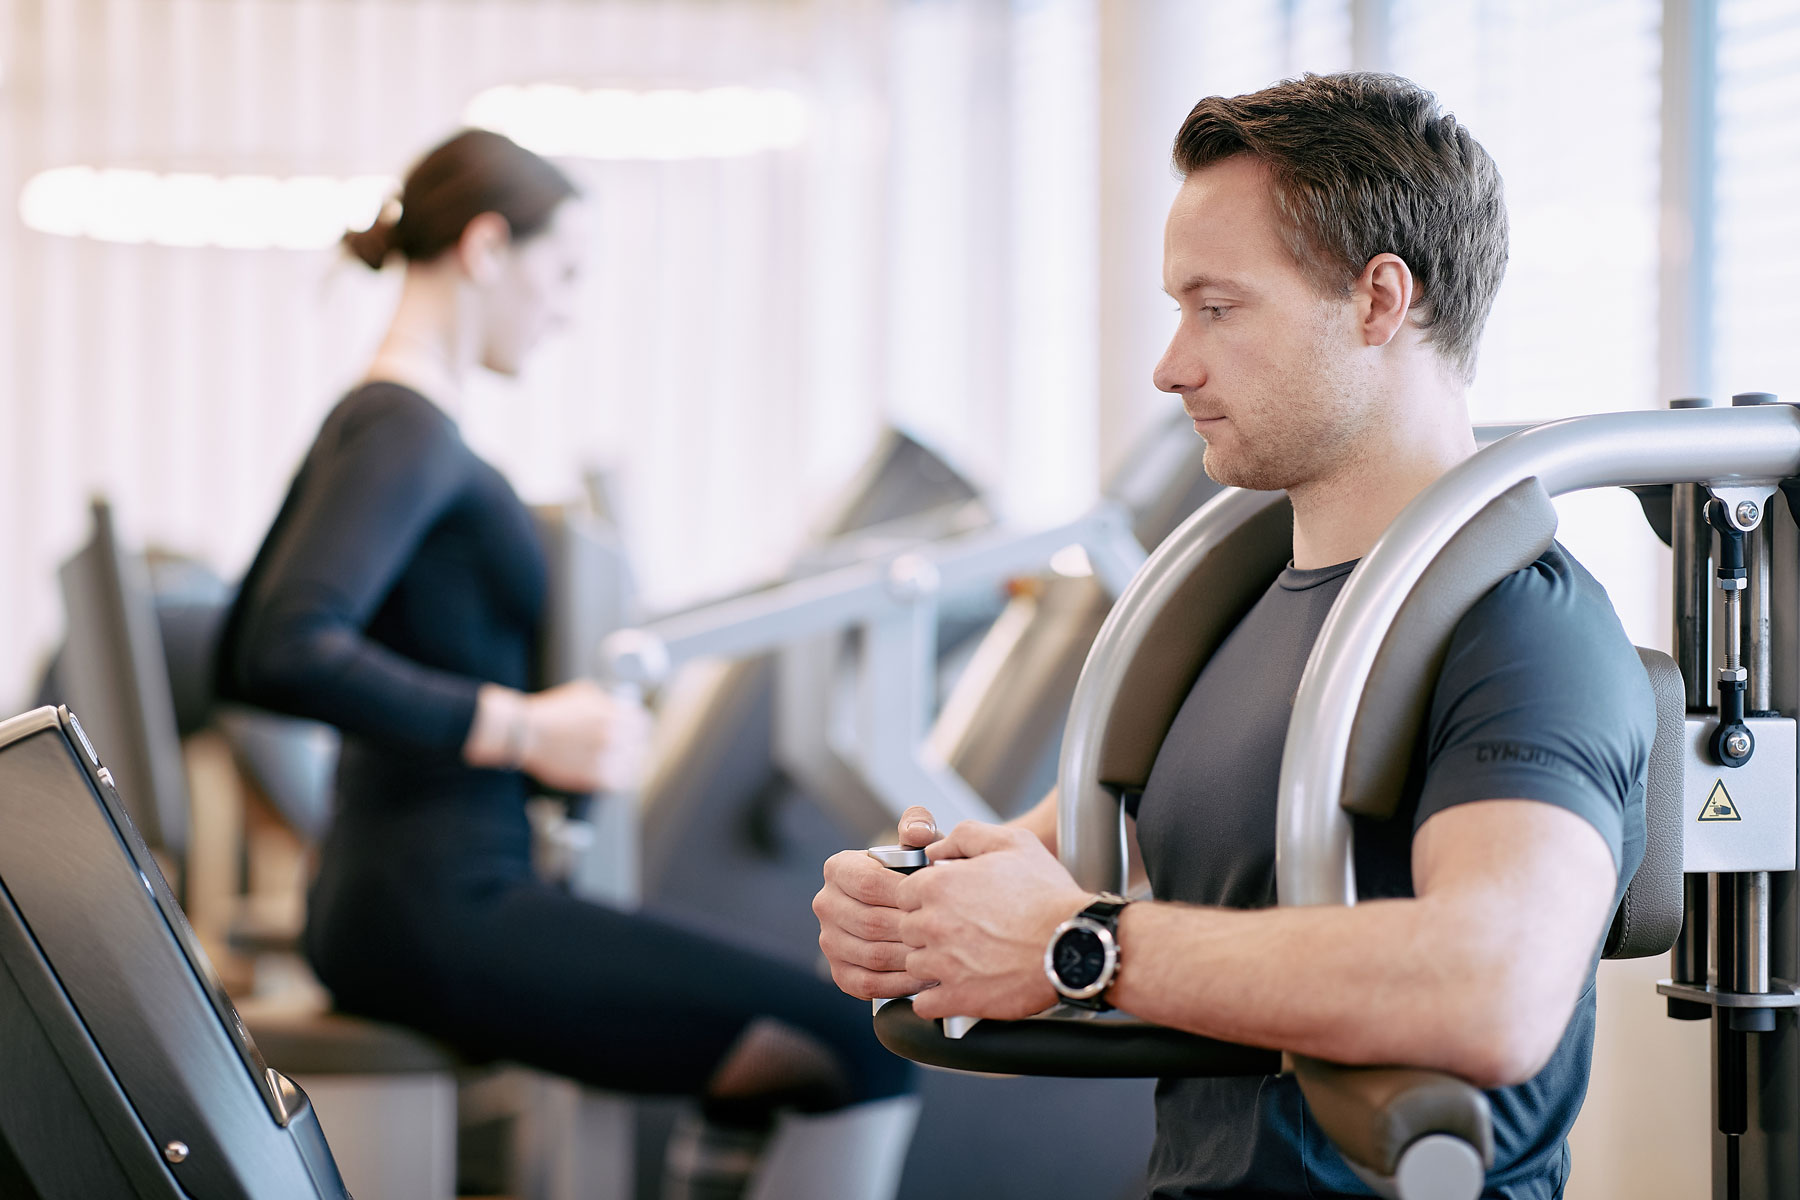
1759,559
1715,897
1734,630
1691,540
1752,933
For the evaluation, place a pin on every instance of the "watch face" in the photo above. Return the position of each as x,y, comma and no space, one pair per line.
1080,958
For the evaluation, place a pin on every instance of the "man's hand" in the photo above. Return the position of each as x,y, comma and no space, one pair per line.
859,917
978,920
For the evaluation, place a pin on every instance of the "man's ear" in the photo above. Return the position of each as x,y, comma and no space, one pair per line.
1384,295
483,245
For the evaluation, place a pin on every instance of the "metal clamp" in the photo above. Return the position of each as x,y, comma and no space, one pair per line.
1743,503
1782,993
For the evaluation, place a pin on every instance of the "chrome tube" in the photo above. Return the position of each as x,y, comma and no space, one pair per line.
1752,928
1691,540
1759,558
1740,445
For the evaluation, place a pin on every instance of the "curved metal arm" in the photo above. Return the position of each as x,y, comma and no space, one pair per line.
1089,831
1737,445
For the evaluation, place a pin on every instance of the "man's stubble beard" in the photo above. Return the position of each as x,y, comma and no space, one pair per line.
1311,425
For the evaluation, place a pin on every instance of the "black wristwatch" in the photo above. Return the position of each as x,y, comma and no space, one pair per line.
1082,959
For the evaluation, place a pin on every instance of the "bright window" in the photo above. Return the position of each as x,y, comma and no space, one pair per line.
1756,278
1567,100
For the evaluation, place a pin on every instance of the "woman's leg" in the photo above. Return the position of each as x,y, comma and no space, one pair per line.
621,1001
631,1002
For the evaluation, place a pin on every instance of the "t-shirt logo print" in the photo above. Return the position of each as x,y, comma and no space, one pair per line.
1719,805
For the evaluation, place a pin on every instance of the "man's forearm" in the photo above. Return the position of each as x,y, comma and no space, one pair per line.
1398,981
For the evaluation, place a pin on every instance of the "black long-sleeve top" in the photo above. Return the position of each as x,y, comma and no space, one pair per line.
401,573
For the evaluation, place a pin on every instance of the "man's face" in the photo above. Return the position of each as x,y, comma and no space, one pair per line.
1270,372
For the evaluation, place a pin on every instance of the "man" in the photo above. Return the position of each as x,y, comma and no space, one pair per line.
1334,250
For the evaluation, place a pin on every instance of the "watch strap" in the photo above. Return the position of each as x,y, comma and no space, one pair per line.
1106,907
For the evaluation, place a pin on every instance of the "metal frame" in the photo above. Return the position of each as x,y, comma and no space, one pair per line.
890,605
1726,446
1732,452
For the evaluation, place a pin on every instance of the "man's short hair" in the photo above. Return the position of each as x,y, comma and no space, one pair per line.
1365,164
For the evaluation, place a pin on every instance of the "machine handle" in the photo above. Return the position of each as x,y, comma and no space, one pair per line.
1408,1132
1086,1046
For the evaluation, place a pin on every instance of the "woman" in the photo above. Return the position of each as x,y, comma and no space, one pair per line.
398,596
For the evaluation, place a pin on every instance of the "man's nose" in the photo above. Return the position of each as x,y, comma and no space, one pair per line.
1179,369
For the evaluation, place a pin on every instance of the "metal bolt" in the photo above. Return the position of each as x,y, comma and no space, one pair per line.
1747,513
1737,743
176,1152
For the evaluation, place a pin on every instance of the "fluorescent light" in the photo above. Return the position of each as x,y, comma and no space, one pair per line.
668,123
244,212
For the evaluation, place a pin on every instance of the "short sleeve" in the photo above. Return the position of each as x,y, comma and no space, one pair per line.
1542,697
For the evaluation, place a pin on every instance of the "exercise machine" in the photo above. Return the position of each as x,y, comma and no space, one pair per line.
1720,792
388,1094
126,1069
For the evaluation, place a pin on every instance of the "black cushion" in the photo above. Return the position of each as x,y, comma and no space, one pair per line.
1109,1047
1649,917
307,1040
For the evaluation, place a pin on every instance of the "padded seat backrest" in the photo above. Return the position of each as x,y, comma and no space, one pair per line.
1649,917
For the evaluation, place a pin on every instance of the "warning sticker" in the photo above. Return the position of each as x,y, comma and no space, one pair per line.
1719,805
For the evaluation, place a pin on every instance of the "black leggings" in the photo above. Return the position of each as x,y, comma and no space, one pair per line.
517,970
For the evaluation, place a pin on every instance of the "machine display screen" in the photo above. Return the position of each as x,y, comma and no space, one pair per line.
159,889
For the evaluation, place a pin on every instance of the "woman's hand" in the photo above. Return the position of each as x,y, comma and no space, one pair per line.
575,737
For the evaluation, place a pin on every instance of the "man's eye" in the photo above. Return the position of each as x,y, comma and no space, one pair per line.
1215,311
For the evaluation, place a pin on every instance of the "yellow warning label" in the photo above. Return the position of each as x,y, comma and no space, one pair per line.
1719,805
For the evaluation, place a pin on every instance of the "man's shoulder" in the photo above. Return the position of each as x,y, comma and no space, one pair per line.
1548,633
1553,602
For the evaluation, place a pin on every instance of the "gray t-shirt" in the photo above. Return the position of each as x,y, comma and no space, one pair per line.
1541,697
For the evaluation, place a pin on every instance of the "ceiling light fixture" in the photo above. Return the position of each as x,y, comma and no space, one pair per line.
240,212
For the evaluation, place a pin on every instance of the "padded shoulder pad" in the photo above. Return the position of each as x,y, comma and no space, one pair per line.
1208,604
1649,917
1510,533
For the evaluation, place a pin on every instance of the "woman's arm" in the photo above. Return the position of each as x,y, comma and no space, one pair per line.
369,496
